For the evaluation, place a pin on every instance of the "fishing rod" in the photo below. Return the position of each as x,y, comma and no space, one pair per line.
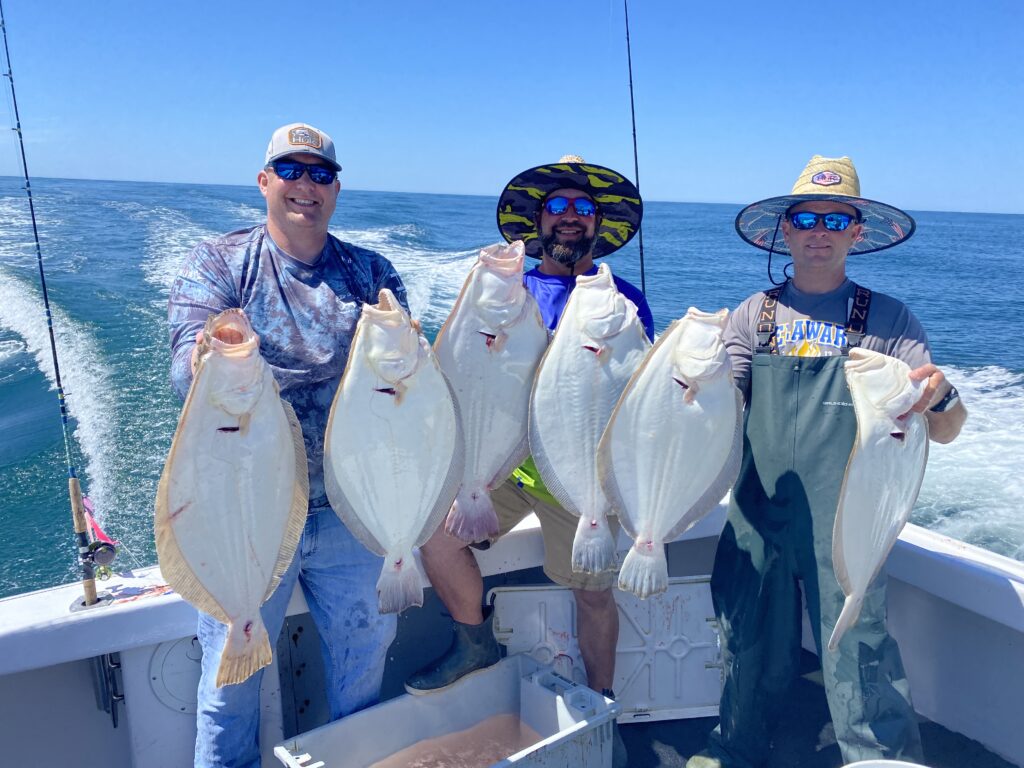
90,553
636,161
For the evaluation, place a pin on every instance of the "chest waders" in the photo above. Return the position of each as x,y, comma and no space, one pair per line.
799,430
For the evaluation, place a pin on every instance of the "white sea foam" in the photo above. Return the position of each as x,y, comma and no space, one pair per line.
170,236
89,394
14,212
10,348
129,208
974,486
245,215
16,238
432,278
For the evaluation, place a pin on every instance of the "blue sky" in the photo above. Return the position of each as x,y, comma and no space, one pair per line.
457,96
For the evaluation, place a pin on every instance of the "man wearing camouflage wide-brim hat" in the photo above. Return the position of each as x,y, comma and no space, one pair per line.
567,214
788,346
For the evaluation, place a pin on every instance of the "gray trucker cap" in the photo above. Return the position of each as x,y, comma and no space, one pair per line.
301,139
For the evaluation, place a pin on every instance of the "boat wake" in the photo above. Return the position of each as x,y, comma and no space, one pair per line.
90,395
973,487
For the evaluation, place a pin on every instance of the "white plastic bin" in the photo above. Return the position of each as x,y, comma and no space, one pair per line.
574,722
668,664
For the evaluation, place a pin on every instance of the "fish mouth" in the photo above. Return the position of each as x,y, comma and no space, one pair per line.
230,333
387,310
504,260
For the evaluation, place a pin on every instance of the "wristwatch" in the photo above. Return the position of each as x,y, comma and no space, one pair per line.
948,400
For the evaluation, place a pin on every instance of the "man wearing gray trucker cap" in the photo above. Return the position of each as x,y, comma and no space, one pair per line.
302,289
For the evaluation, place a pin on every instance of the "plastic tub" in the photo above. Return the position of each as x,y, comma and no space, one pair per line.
575,723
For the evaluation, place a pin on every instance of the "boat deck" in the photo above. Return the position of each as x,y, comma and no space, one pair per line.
958,612
804,739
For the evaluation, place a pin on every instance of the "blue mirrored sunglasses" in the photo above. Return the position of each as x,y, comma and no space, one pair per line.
834,222
292,170
583,206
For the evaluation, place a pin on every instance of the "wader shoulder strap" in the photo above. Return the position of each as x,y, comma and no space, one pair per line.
857,322
766,342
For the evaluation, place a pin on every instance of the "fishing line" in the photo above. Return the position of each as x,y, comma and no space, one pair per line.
89,553
636,161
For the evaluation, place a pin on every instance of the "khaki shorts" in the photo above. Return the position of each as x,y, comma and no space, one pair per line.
558,528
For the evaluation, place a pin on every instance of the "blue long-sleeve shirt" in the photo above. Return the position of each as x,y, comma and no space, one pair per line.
304,314
552,293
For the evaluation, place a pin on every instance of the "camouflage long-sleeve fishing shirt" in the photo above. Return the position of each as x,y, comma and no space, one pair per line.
305,316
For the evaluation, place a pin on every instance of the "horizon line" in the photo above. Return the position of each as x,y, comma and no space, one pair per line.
457,194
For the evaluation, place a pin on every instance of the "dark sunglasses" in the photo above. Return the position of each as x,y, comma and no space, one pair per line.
292,170
834,222
583,206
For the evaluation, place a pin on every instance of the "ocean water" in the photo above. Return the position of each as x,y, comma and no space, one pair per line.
112,249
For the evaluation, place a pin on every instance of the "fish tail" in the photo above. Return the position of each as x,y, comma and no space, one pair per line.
847,618
246,651
399,585
472,516
644,570
593,549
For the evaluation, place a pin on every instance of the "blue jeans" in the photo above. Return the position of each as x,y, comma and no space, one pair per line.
338,577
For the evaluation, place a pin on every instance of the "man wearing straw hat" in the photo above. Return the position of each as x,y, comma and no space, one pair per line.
568,214
783,506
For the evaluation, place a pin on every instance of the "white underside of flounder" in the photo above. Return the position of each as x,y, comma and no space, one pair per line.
393,452
883,476
489,349
672,446
598,344
232,499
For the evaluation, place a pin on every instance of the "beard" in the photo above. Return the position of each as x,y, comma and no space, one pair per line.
566,255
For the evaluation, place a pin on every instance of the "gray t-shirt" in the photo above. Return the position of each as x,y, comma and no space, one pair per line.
814,325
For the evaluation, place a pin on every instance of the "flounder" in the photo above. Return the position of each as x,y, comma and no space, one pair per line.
598,344
672,446
232,500
489,348
883,475
393,452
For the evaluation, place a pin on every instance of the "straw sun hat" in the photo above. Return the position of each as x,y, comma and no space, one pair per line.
825,178
618,203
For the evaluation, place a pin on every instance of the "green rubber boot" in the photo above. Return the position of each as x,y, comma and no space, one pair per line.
473,649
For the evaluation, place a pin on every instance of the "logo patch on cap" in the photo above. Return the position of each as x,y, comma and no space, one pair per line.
304,137
826,179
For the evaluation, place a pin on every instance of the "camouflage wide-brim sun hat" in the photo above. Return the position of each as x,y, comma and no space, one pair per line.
618,203
825,178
